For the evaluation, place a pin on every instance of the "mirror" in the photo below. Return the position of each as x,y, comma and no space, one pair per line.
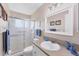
61,22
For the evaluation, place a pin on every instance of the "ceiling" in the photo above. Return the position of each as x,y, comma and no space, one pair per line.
25,8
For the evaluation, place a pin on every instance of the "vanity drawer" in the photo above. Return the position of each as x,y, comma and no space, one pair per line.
37,51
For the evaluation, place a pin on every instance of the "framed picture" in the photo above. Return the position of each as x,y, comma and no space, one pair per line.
58,22
52,23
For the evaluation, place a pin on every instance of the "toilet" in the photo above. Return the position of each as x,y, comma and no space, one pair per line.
28,51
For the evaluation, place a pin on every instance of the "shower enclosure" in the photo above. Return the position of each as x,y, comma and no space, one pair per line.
19,36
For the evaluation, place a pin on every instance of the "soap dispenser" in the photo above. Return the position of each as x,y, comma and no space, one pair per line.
46,38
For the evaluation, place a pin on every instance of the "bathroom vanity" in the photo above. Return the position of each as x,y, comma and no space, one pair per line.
61,22
39,51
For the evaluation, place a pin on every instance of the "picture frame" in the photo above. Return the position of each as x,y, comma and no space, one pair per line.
58,22
52,23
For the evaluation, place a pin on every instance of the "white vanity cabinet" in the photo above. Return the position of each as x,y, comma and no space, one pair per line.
37,52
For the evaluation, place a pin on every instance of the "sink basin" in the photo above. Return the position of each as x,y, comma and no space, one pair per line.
48,45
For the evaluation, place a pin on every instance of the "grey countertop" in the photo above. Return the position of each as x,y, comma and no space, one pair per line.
62,52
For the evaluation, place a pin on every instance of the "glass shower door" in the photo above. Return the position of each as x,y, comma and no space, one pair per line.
16,35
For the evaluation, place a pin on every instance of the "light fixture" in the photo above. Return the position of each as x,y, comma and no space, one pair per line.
52,7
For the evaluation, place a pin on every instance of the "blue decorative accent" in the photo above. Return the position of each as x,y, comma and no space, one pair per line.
71,48
46,38
38,32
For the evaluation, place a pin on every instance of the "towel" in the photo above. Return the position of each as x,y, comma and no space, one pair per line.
3,25
71,48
